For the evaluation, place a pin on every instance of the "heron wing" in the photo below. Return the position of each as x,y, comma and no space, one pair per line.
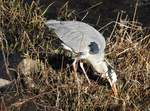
79,36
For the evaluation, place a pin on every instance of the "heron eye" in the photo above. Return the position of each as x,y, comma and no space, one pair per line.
94,49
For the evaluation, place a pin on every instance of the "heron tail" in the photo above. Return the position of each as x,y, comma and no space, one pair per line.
52,24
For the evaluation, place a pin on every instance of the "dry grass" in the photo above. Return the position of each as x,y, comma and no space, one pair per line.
23,31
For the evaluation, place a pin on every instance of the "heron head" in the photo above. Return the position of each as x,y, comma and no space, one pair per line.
108,72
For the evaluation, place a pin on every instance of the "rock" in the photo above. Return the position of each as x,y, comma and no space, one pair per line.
4,82
29,66
29,70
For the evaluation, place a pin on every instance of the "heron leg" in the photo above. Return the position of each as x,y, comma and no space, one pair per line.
82,67
75,77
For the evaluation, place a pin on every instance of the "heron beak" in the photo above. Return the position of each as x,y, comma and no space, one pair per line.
114,89
112,78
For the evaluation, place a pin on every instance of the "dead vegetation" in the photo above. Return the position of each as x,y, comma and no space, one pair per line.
23,31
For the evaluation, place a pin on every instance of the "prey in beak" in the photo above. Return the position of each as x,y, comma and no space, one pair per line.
112,78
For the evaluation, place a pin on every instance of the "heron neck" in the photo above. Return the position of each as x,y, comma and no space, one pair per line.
96,59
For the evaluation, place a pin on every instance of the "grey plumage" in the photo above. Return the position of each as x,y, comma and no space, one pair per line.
76,34
87,43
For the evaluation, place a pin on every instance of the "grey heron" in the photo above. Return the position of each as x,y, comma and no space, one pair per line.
86,43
